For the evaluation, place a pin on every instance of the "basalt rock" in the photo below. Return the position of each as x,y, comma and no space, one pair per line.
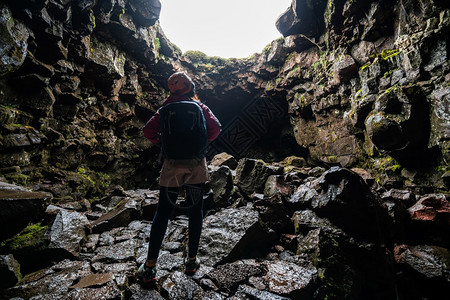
19,207
9,270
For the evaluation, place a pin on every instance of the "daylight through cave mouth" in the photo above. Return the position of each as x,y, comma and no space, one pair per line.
226,29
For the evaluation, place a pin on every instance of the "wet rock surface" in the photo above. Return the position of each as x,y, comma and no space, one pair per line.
244,250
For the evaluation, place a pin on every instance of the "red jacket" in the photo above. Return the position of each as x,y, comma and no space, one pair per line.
151,129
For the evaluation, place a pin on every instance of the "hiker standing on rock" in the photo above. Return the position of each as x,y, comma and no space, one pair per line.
182,126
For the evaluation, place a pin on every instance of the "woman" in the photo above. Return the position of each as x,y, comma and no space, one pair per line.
177,174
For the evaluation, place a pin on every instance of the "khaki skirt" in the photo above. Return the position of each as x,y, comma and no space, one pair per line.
176,173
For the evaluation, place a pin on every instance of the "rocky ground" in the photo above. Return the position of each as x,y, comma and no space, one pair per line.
271,231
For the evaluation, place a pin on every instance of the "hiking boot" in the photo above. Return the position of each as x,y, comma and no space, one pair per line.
148,274
191,266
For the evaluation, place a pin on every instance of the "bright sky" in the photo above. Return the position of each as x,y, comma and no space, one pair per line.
225,28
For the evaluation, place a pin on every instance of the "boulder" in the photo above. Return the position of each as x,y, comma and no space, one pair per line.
145,13
424,270
297,280
229,276
125,211
401,115
139,292
67,232
231,234
221,183
179,286
98,291
273,214
55,281
13,42
431,261
252,174
440,117
429,220
343,197
302,17
19,207
344,69
9,271
224,159
247,292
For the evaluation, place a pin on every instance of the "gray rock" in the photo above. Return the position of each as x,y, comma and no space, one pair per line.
121,216
222,185
19,207
137,292
68,231
50,283
13,42
9,271
120,252
230,234
228,277
244,291
180,286
430,261
292,280
252,174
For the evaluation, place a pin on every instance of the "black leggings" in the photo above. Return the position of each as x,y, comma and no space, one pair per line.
194,194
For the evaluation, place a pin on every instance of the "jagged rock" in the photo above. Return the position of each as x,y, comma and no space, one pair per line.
429,219
297,281
430,261
54,281
68,231
39,102
137,292
221,183
299,42
362,51
302,17
344,69
228,277
9,271
126,211
224,159
120,252
344,198
424,270
179,286
441,115
396,202
108,291
331,250
305,220
245,291
146,13
303,196
96,279
252,174
19,207
277,184
231,234
13,42
273,215
397,114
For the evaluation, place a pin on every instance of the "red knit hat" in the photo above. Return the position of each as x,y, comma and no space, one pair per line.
179,83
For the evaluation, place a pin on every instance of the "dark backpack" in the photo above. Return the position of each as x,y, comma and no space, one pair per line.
183,130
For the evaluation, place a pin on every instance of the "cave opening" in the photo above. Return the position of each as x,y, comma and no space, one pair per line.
226,29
